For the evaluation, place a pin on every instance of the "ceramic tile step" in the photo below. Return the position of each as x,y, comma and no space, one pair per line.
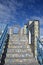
34,63
30,62
18,55
23,40
17,47
14,38
24,37
14,35
19,50
19,61
18,41
12,46
18,44
13,50
18,38
25,54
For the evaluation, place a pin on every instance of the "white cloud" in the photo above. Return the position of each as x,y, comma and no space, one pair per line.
8,10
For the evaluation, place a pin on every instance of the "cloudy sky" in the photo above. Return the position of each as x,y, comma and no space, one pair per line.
20,11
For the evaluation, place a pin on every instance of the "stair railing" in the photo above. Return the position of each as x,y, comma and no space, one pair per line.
40,51
3,39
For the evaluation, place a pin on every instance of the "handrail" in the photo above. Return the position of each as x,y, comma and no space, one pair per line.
38,40
3,38
39,51
3,32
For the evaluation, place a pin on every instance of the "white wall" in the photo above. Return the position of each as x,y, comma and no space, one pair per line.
29,37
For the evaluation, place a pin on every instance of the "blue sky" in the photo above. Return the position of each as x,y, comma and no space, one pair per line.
20,11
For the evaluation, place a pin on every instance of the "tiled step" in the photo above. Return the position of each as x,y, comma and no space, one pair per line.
18,50
34,63
14,52
22,55
14,39
18,46
9,52
21,40
19,61
17,42
18,37
13,46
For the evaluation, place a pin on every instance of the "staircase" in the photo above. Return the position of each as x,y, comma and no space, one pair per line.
19,52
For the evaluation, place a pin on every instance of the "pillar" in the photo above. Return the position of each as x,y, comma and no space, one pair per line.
29,37
36,34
